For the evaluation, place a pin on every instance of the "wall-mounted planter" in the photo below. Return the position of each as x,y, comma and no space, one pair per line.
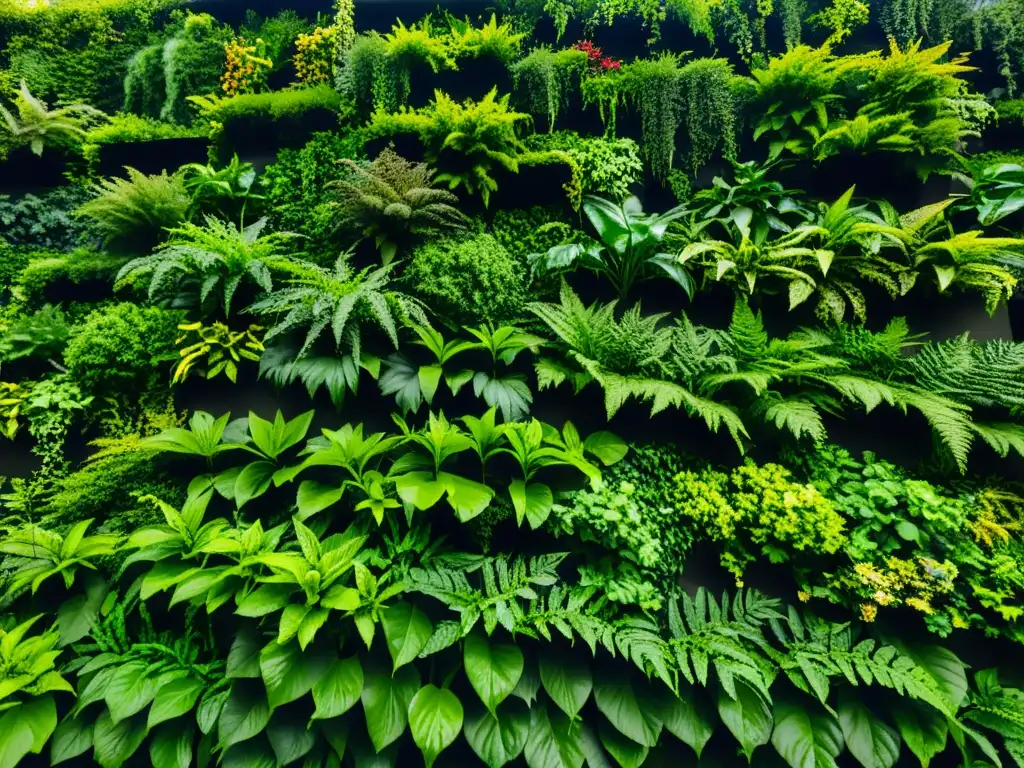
151,156
23,171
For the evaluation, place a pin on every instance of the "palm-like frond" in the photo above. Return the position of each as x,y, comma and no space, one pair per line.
216,255
37,125
318,298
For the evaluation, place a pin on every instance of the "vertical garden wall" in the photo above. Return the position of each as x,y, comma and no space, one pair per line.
538,383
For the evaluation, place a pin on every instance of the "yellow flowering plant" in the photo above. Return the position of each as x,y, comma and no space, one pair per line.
247,67
316,55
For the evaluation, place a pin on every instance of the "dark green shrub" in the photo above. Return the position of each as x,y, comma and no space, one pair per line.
295,186
468,281
107,488
44,220
122,349
12,262
535,230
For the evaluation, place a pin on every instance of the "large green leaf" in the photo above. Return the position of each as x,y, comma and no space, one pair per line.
253,481
265,599
635,715
873,743
923,728
435,719
419,489
244,715
313,497
607,446
254,753
174,699
290,673
114,743
493,669
747,717
806,737
626,752
16,737
244,656
77,615
339,689
554,741
130,690
944,667
407,630
498,738
532,502
687,717
386,703
566,678
71,738
289,736
171,746
467,497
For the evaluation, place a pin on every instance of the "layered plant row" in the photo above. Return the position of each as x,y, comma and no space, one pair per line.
589,382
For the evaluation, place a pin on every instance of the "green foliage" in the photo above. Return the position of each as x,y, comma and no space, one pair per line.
216,349
366,78
138,209
492,40
44,220
606,166
282,110
55,277
122,349
467,142
546,79
208,263
758,511
192,61
629,247
996,192
709,110
42,334
339,298
915,544
393,200
295,186
468,280
37,127
278,33
522,232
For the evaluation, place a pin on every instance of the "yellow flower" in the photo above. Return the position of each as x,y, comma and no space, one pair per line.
868,612
803,596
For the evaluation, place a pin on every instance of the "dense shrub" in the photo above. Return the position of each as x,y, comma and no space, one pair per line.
123,349
45,220
296,186
468,281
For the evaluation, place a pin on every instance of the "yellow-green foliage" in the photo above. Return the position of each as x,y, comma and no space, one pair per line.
222,348
467,141
407,45
758,510
492,39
